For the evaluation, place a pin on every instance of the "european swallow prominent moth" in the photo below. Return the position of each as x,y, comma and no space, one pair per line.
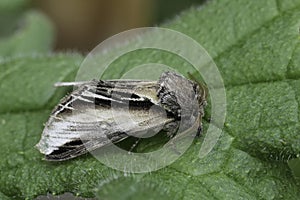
98,113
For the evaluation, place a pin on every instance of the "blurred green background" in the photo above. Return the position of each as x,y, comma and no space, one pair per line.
81,24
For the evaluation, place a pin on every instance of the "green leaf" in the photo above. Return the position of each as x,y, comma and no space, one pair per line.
255,45
295,166
3,197
33,88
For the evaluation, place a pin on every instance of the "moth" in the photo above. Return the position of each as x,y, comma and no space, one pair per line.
103,112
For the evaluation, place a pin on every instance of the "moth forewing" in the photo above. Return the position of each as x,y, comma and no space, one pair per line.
99,113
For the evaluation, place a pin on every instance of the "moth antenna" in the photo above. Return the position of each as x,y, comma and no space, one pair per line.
67,84
134,145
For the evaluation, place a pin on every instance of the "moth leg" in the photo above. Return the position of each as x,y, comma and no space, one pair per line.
199,130
134,145
171,128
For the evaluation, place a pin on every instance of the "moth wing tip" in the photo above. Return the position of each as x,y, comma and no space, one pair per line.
42,148
37,146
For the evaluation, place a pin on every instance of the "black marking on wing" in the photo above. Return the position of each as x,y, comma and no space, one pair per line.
78,147
103,93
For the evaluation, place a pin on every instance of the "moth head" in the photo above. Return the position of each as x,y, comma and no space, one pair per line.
200,89
177,94
201,92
